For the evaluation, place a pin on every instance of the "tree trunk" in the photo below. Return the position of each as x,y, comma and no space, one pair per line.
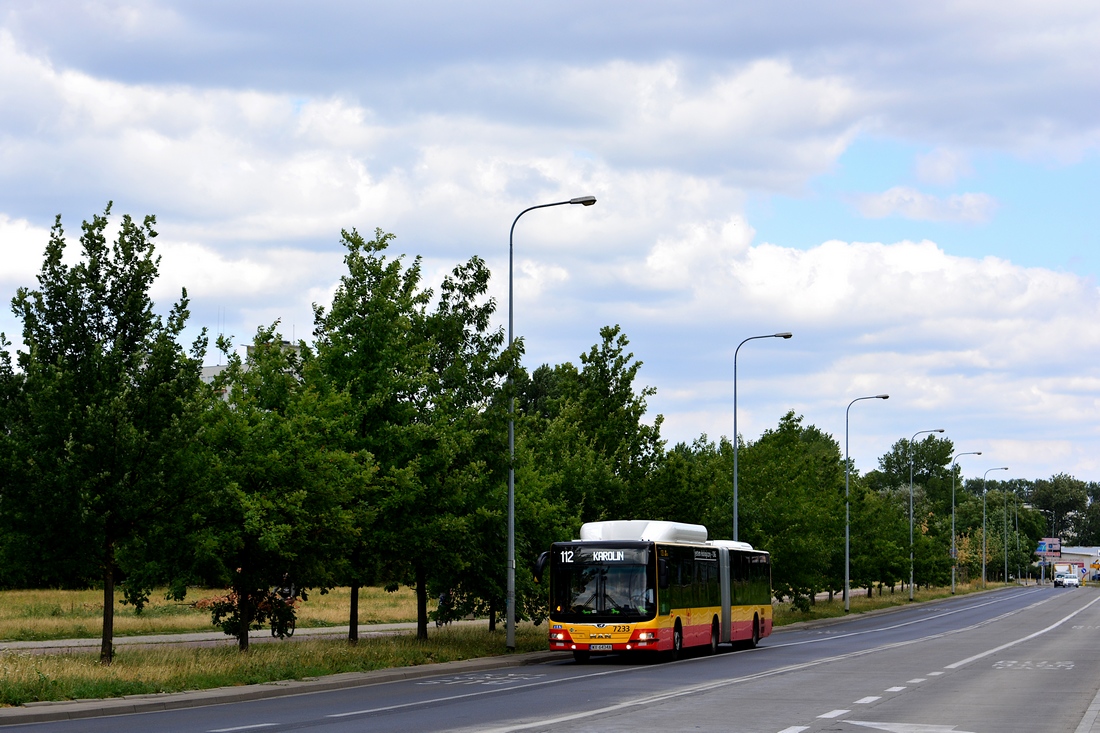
244,611
353,617
421,604
492,616
106,648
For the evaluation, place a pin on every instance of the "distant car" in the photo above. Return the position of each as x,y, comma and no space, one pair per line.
1066,580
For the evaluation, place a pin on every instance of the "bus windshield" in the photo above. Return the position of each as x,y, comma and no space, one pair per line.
599,591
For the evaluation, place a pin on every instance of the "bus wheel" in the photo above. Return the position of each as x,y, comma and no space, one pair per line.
677,641
714,637
581,657
755,632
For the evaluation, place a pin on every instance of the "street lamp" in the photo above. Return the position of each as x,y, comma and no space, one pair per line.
784,335
1000,468
919,432
847,510
954,551
510,617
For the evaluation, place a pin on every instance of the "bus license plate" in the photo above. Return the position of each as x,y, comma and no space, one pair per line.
599,647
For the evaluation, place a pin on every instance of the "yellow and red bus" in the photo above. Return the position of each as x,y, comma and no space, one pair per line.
650,586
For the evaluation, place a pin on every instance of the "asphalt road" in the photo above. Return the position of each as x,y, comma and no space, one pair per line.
1025,659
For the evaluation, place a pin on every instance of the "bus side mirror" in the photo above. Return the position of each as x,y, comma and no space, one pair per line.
662,573
540,566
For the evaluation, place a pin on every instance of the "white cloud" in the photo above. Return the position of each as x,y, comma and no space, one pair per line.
971,208
23,245
943,167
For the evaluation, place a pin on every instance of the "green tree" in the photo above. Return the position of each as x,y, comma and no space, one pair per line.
102,419
879,536
369,344
281,482
792,503
1064,499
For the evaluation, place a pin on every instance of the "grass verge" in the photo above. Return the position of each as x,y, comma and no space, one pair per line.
28,678
784,614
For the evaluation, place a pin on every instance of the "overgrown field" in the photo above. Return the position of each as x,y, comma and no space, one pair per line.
28,677
36,615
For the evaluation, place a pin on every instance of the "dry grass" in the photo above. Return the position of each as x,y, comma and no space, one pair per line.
63,614
27,678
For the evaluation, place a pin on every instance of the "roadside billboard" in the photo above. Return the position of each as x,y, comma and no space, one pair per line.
1050,548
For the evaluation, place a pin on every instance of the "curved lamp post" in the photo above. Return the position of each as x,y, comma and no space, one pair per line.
919,432
847,509
954,551
784,335
1000,468
510,616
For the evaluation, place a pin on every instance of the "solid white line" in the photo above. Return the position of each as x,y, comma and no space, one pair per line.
707,686
1002,647
834,713
244,727
867,700
923,620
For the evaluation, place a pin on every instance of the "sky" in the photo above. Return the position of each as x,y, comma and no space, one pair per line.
910,190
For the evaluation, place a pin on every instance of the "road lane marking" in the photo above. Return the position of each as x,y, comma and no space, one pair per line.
699,688
916,681
894,689
867,700
795,729
254,726
935,674
834,713
907,727
642,701
923,620
1029,637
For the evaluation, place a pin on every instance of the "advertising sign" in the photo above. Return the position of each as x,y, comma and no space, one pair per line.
1049,547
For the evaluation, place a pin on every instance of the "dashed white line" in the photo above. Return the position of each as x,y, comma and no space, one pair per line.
834,713
894,689
917,681
867,700
934,674
795,729
244,727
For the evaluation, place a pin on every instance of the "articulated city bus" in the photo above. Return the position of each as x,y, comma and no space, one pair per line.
655,586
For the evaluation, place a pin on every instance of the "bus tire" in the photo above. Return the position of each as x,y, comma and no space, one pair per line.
677,642
755,632
714,636
581,656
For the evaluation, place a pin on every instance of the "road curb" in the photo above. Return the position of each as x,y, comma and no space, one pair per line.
45,712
